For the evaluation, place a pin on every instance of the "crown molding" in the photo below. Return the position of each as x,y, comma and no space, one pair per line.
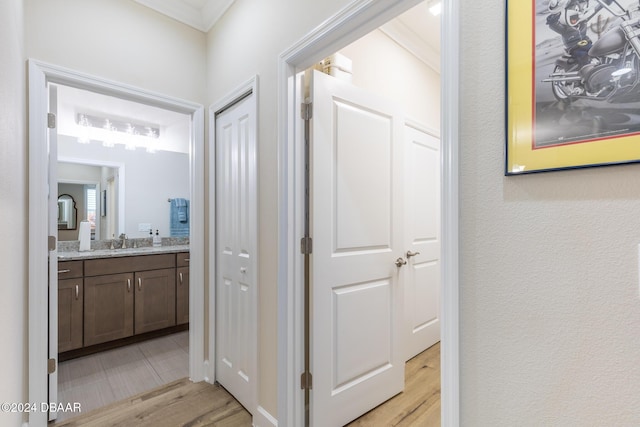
201,19
409,40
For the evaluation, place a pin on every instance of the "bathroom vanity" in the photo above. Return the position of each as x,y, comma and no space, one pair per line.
108,298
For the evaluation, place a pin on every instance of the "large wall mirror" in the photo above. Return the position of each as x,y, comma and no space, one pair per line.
137,156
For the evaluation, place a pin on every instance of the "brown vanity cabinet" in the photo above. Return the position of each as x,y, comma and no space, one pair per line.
106,299
108,308
182,288
155,300
70,305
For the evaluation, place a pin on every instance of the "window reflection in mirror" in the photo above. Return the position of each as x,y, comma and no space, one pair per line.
83,197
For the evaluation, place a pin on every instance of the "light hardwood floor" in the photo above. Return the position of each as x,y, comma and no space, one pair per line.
183,403
419,404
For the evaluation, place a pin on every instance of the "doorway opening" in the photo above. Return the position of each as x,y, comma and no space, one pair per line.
345,27
96,287
106,354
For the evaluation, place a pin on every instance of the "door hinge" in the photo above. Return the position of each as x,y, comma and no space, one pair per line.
51,120
52,243
306,245
306,111
306,381
51,366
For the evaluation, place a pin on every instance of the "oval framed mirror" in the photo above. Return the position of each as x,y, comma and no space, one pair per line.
67,212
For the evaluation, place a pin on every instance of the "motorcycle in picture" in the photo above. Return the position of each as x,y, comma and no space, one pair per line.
607,69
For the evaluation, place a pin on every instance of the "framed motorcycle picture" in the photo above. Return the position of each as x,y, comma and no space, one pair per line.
573,84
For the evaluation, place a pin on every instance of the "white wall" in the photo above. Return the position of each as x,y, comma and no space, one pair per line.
13,211
549,305
119,40
381,66
150,180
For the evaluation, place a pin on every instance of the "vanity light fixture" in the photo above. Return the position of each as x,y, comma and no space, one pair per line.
111,131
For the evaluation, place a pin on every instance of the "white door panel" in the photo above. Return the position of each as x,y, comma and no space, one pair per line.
53,255
356,225
236,234
422,214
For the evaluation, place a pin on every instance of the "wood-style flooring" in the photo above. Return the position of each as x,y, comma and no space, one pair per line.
183,403
419,404
180,403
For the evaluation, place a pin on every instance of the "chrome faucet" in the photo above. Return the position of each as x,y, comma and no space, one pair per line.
124,240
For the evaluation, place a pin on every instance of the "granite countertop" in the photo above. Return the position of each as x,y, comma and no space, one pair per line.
114,253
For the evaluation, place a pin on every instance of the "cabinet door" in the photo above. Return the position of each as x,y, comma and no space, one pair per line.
108,308
182,295
155,301
70,302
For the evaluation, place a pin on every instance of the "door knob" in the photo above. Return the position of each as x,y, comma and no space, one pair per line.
400,262
410,254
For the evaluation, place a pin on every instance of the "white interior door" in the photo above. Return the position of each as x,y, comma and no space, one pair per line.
356,225
422,225
236,245
53,254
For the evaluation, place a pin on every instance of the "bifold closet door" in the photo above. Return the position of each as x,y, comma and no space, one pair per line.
236,245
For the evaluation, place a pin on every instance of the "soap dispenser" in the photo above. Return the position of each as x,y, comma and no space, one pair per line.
157,241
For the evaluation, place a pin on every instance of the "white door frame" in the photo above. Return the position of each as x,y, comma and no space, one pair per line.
248,88
357,19
40,75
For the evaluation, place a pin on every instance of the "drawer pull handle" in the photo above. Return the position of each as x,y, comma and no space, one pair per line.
64,271
128,285
186,260
181,278
139,283
77,292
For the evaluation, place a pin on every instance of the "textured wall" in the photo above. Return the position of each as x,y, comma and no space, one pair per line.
549,302
13,211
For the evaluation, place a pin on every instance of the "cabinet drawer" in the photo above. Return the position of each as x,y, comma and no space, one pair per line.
97,267
182,259
69,269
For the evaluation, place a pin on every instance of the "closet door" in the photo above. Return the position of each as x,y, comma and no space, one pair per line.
236,244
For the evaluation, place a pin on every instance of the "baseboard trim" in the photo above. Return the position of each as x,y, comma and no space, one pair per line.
262,418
